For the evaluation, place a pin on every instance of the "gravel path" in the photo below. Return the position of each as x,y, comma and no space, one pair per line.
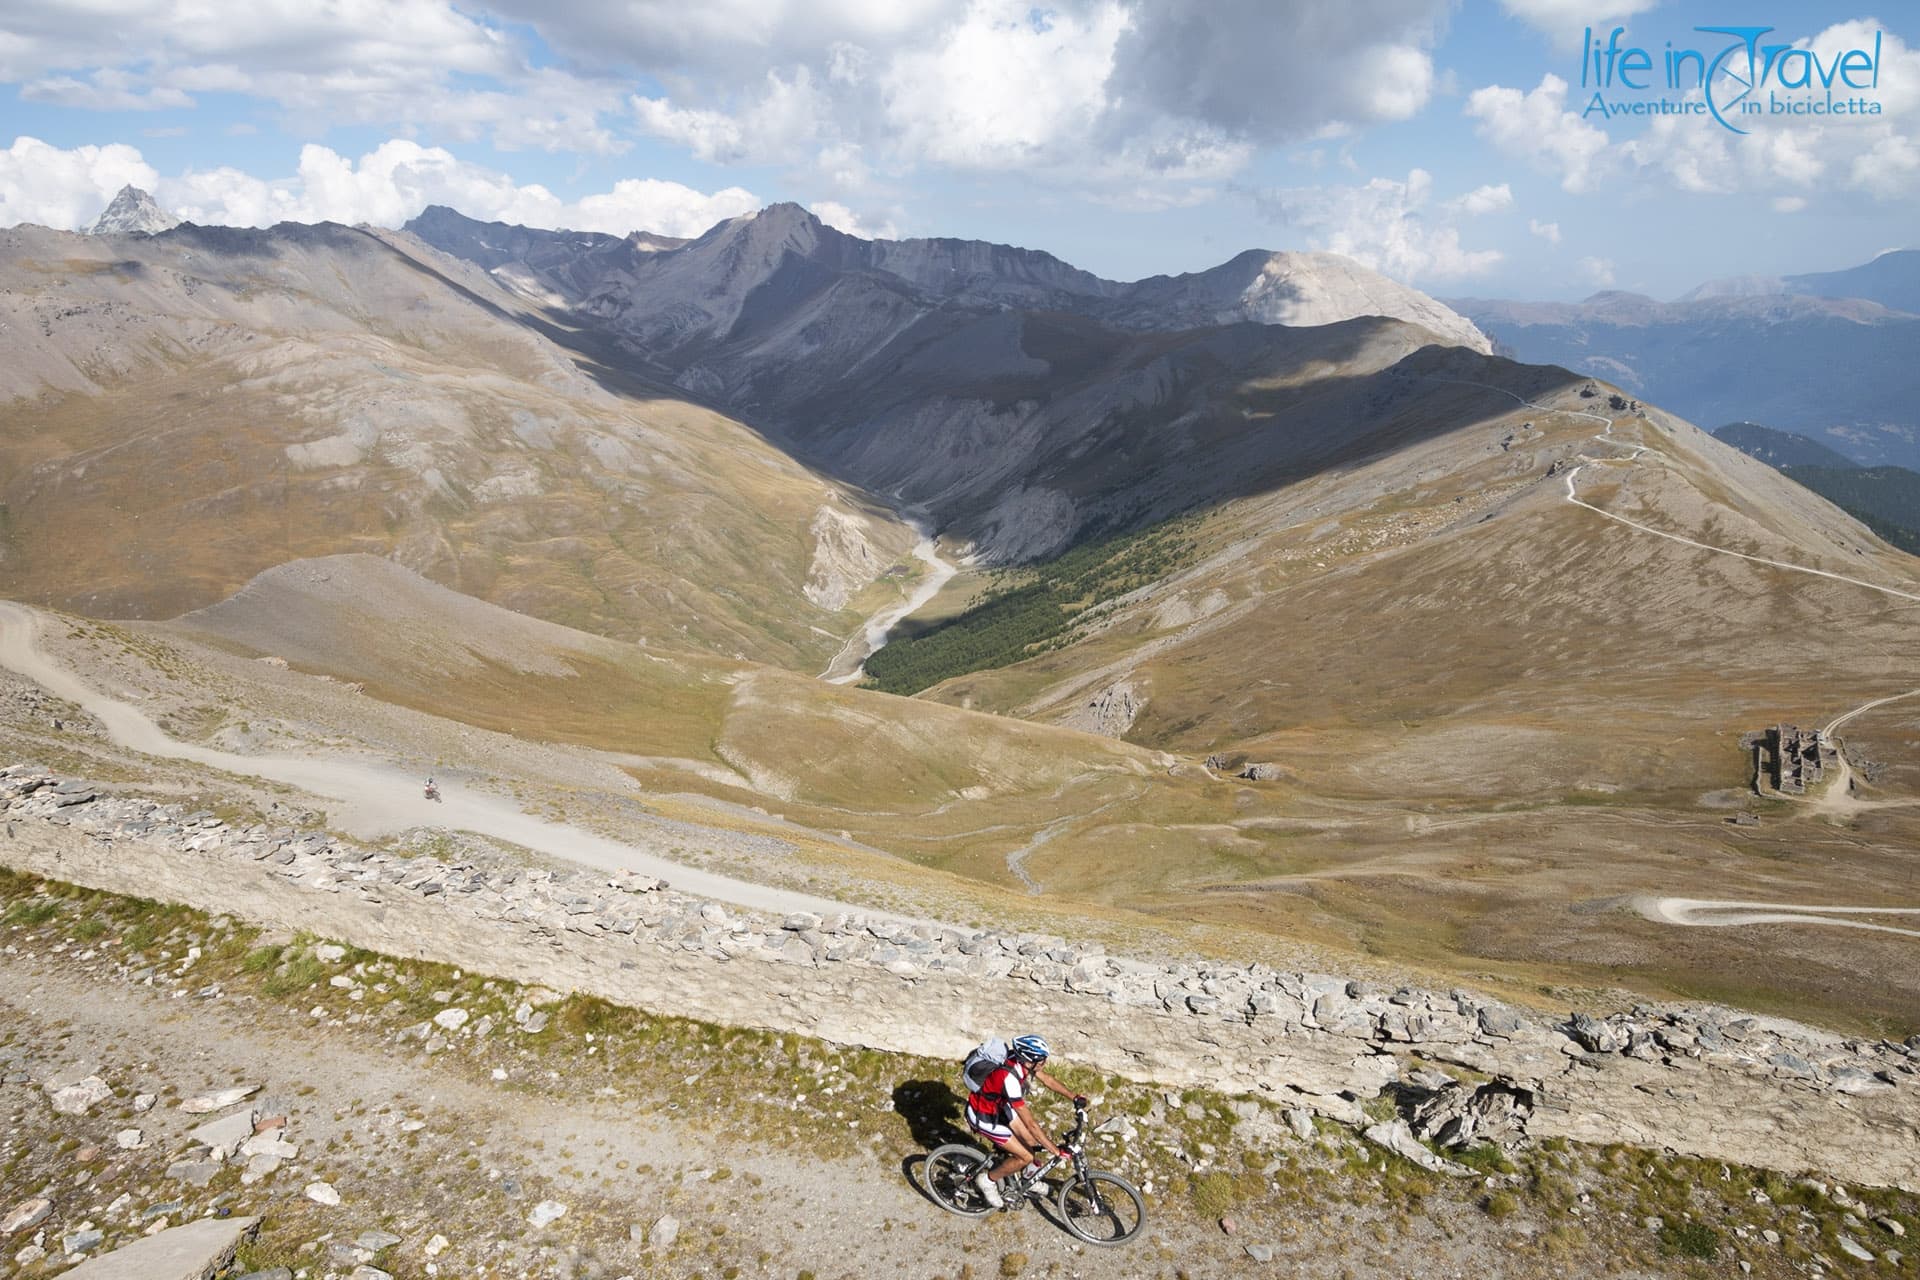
372,800
1716,913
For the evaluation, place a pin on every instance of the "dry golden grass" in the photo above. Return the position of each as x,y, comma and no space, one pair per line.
196,454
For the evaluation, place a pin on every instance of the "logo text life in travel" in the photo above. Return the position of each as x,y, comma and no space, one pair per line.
1744,78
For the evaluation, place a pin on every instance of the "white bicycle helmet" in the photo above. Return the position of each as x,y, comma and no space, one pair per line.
1030,1049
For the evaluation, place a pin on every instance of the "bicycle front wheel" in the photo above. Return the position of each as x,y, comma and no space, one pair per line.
1102,1208
948,1175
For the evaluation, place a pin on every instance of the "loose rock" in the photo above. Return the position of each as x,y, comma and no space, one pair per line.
81,1097
219,1101
25,1216
1854,1249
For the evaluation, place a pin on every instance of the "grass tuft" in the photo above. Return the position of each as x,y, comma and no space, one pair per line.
1691,1239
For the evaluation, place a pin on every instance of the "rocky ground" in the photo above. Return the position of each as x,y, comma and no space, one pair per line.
403,1116
1460,1068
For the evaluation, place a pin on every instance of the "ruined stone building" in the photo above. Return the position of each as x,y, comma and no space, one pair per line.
1787,759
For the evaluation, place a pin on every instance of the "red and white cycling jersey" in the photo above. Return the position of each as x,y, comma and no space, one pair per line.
991,1106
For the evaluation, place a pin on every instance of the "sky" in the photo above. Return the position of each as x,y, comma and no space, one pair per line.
1448,143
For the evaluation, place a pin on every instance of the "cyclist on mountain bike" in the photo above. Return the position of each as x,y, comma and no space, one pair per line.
998,1112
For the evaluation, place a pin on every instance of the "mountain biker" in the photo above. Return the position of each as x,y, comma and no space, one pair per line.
998,1112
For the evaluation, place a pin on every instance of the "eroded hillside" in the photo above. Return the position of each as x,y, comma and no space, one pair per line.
181,412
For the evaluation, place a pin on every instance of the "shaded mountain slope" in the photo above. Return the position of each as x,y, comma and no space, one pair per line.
1892,280
1780,448
1885,499
1022,403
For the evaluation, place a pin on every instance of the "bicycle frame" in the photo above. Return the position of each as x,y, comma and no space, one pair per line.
1074,1141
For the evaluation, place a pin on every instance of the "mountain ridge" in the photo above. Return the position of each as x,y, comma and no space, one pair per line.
1891,279
961,376
1262,285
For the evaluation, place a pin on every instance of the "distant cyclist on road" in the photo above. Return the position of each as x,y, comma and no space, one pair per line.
998,1112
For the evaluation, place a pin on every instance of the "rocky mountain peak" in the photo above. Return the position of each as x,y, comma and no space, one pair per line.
1295,288
133,212
785,225
1289,288
440,218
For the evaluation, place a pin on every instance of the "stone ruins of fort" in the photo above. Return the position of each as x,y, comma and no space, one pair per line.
1788,760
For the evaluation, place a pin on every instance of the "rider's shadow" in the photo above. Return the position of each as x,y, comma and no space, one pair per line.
932,1112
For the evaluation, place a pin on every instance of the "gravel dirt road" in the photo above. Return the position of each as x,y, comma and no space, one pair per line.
371,800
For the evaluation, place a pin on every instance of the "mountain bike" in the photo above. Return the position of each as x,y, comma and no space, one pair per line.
1100,1208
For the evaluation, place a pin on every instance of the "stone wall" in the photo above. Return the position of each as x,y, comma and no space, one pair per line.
1703,1081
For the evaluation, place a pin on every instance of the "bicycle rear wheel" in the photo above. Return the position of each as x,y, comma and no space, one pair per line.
1102,1208
948,1175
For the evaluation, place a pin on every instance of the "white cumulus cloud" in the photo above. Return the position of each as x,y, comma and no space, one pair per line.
1383,225
421,63
841,218
1133,101
1548,231
107,89
785,115
65,188
386,186
1488,199
1001,90
1597,271
1563,21
1536,126
1145,103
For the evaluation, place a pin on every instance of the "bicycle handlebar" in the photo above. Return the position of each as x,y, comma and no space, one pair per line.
1075,1138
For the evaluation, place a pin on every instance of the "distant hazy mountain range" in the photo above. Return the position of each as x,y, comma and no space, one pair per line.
1829,355
1892,280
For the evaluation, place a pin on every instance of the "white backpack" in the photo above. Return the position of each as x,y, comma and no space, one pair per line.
983,1062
